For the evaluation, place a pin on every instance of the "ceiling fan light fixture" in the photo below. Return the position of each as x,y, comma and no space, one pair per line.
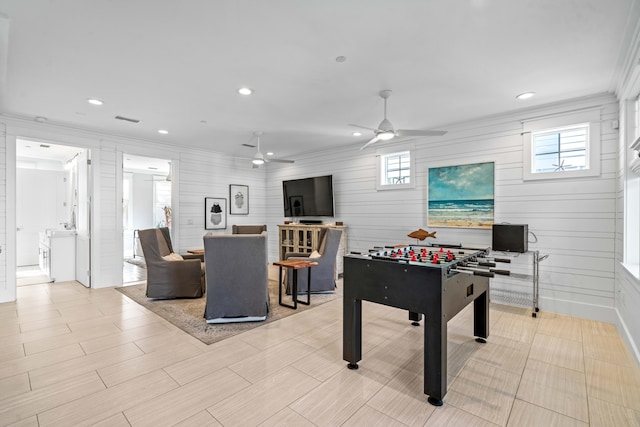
386,135
258,158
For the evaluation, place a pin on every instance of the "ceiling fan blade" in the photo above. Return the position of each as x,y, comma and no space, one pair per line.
369,143
278,161
363,127
409,132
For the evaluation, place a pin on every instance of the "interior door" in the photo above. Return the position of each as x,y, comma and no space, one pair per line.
82,200
39,205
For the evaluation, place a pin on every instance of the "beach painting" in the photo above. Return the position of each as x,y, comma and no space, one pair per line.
461,196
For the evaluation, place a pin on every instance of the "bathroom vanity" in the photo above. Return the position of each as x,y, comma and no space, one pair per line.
57,254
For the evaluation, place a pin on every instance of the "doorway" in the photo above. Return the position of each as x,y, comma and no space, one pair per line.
146,203
52,213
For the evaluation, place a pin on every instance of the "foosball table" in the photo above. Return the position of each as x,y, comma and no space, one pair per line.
434,281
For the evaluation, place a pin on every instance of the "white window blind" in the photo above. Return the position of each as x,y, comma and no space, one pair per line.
396,168
562,146
559,150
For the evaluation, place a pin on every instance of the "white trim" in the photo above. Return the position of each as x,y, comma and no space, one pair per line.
237,319
9,292
579,309
379,169
626,335
590,116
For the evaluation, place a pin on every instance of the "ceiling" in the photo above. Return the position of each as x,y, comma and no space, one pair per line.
178,65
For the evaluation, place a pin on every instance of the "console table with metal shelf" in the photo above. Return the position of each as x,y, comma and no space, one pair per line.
523,298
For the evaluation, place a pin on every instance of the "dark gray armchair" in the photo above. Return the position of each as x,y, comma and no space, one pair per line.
237,277
323,275
248,229
170,278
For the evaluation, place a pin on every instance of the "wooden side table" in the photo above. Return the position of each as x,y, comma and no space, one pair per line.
294,265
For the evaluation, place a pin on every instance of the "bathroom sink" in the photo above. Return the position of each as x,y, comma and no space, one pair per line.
60,232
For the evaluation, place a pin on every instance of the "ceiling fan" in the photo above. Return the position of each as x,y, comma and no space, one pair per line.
385,130
259,158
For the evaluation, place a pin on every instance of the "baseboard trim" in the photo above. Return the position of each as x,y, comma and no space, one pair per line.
626,336
600,313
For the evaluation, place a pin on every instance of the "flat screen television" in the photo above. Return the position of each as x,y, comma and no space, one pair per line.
308,197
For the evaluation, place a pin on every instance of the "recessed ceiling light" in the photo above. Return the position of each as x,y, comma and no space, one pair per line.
245,91
269,153
94,101
163,131
357,134
341,58
525,95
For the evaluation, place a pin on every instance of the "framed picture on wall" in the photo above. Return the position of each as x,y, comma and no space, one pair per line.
215,213
238,199
461,196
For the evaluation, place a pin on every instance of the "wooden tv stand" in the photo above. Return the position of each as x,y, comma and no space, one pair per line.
305,238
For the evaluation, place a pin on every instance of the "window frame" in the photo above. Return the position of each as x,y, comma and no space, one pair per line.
631,236
381,155
550,124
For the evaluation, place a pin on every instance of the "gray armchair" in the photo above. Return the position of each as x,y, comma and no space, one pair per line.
168,279
237,277
322,275
248,229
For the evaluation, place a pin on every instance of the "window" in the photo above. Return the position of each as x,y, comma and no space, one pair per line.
560,149
395,170
162,202
565,146
632,190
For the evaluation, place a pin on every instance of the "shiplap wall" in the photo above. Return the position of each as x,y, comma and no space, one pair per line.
7,290
573,219
627,286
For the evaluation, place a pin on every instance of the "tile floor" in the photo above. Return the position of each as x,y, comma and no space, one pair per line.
73,356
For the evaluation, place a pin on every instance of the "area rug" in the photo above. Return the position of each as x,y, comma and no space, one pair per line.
187,314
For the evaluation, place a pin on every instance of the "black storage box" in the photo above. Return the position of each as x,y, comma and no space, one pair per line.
510,237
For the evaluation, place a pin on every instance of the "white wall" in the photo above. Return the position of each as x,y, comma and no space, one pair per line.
573,219
627,285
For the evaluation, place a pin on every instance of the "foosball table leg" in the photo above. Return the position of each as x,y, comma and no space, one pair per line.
415,318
